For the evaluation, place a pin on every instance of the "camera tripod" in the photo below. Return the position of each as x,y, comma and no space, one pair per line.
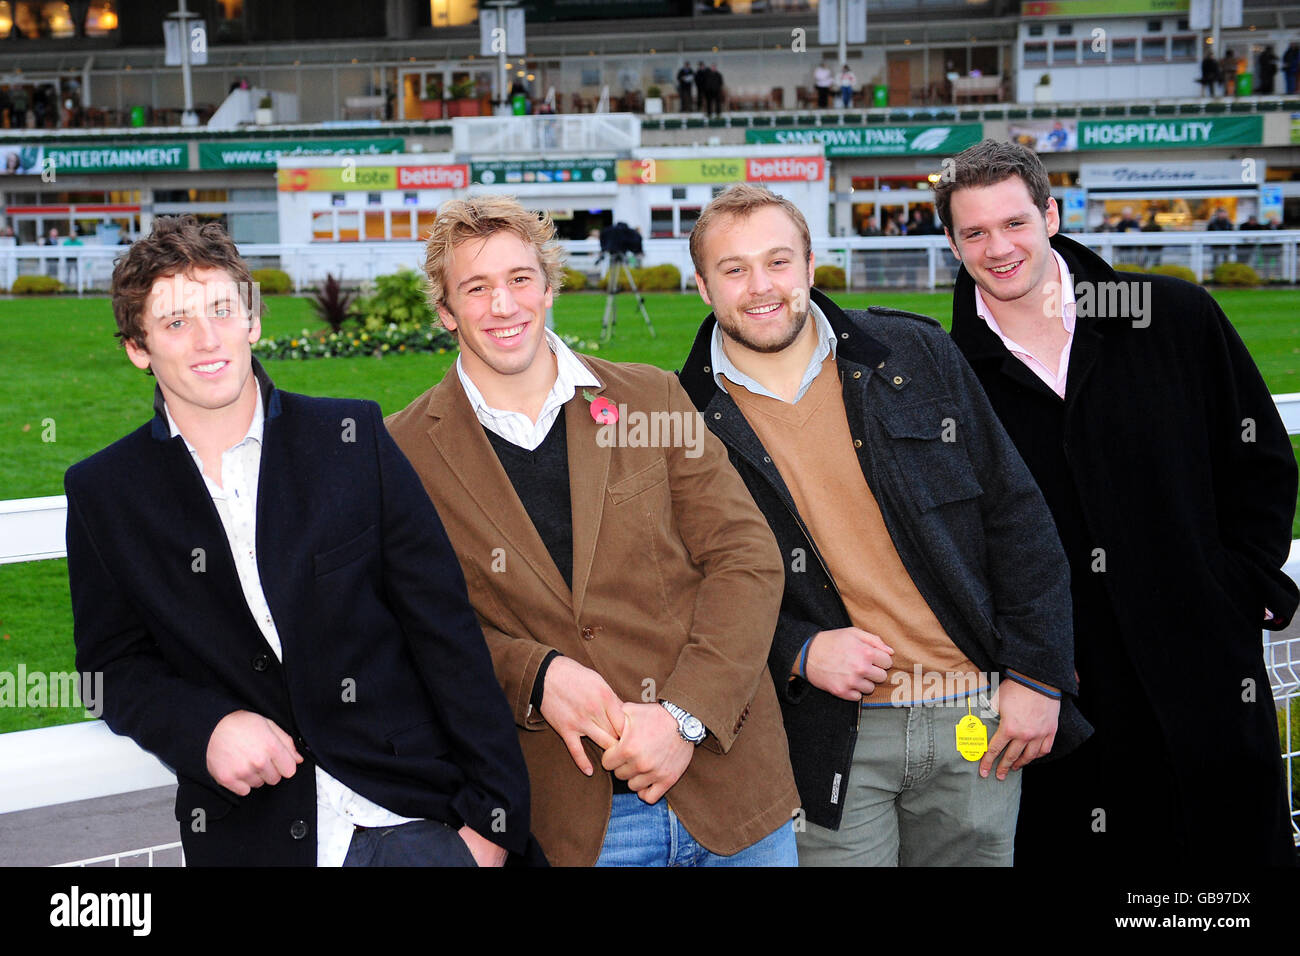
617,267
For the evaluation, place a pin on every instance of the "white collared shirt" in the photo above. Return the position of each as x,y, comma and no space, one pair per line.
516,427
723,365
1055,381
338,808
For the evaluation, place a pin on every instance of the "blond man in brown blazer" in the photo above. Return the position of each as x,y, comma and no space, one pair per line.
626,583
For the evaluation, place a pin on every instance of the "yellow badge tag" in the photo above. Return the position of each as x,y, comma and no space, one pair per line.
972,737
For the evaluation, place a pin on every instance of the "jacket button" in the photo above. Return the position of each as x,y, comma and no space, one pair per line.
844,335
857,443
857,375
766,460
261,662
717,415
707,369
881,365
297,829
898,380
588,634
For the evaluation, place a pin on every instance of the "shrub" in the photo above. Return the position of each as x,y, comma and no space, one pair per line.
36,285
331,303
1129,267
391,338
1178,272
272,281
829,277
1235,273
574,281
664,278
398,298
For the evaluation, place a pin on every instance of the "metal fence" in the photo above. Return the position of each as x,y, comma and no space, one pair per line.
880,262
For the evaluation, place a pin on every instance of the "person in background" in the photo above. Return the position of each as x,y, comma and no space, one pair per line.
1267,70
848,82
685,85
1228,68
822,80
1291,66
1211,76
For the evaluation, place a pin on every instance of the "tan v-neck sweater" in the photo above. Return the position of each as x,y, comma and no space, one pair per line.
812,447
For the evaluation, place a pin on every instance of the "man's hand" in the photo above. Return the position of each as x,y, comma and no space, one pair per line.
577,703
485,852
650,754
1026,727
247,750
848,662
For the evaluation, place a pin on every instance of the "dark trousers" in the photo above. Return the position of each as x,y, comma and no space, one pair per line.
823,97
419,843
684,91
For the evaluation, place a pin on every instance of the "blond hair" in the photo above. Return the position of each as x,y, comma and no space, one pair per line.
741,200
481,217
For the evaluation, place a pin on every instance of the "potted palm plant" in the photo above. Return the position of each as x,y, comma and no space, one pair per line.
463,101
431,103
264,116
654,102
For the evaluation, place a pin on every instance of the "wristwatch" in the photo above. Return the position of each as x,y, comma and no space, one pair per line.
691,728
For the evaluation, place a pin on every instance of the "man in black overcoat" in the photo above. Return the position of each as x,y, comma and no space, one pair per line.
1173,486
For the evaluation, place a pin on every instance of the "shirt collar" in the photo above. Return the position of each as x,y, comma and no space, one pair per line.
1067,302
254,432
722,365
571,375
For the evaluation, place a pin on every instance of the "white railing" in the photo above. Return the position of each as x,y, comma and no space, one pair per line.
576,134
117,858
869,262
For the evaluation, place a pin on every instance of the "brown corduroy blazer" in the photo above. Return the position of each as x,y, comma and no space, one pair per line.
676,586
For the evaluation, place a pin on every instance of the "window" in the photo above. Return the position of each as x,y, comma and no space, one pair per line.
1091,53
1154,26
1154,48
374,199
1035,29
349,225
1182,48
401,225
1124,51
1035,53
375,229
661,222
101,19
679,192
1064,29
338,199
424,223
322,226
56,21
453,13
1064,52
687,216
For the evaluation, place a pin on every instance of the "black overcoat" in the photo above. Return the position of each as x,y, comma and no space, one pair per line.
1173,486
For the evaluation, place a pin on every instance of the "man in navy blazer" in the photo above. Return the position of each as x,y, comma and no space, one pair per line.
274,605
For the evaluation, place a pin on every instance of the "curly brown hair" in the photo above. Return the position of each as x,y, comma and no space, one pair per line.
481,217
176,246
987,164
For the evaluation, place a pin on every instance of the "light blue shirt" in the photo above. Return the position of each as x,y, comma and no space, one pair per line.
825,347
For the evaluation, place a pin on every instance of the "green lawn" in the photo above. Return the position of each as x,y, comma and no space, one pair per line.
65,379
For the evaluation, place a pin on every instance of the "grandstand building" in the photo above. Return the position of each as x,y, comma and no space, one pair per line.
92,141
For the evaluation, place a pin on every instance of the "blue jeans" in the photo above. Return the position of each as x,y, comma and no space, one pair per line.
644,835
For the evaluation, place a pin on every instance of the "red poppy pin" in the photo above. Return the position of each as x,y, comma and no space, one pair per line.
603,410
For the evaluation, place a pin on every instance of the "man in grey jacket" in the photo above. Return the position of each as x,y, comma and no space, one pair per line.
925,583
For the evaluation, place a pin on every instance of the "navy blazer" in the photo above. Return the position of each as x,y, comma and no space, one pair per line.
386,681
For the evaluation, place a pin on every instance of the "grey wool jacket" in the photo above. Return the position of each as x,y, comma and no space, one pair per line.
968,521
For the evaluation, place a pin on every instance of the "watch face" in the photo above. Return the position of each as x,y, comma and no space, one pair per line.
693,728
